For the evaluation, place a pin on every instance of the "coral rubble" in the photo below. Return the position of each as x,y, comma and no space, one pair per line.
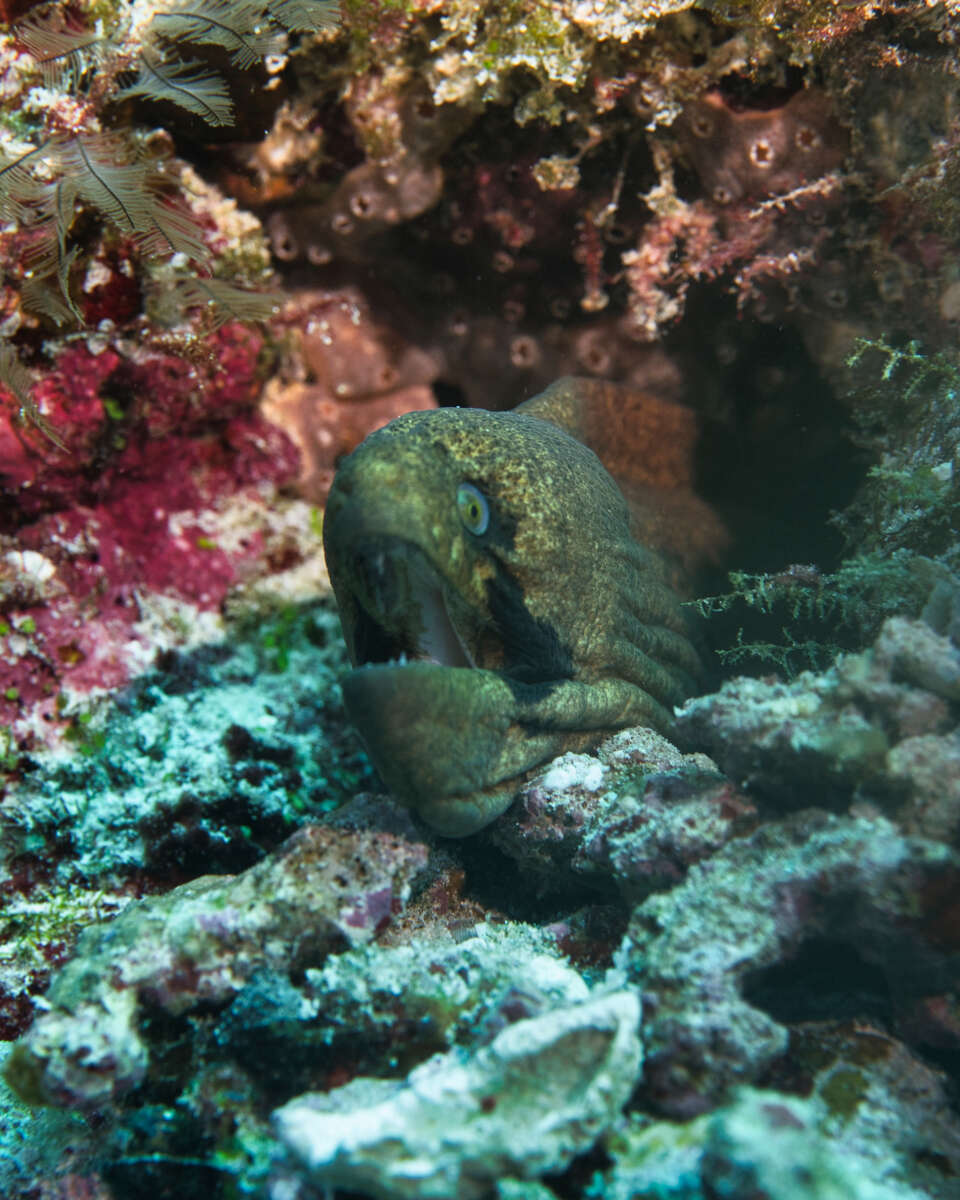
541,1091
199,944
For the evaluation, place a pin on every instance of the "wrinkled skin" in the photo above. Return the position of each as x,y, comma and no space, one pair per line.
482,655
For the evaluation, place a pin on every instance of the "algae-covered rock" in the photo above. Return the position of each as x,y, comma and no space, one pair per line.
764,1144
542,1091
205,762
632,818
445,990
33,1142
855,891
829,737
519,1189
885,1105
199,944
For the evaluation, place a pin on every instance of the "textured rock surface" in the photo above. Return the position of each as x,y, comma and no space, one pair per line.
763,1144
636,815
460,991
857,883
851,731
199,944
541,1092
884,1104
762,946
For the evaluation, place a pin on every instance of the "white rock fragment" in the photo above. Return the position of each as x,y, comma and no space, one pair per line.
542,1092
31,565
573,770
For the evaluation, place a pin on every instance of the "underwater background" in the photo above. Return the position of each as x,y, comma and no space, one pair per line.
719,960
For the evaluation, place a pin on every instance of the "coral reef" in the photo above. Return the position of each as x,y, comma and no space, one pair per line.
814,954
722,967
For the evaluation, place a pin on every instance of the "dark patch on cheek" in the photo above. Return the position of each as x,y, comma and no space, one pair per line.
532,650
502,530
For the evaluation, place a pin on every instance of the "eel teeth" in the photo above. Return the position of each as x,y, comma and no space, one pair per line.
440,642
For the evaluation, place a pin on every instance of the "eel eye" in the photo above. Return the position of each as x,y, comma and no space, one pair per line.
473,508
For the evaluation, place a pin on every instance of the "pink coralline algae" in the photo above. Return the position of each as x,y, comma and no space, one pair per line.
114,513
99,399
69,398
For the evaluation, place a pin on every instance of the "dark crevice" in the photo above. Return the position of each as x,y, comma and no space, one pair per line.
824,980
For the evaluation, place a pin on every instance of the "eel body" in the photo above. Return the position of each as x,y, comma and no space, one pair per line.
495,603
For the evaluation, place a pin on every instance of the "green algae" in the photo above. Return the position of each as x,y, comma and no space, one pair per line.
480,51
49,917
843,1091
537,55
9,751
800,618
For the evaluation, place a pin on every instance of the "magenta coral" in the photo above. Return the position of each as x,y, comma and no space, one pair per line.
149,395
152,441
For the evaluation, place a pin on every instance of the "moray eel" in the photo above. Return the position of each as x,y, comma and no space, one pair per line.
495,604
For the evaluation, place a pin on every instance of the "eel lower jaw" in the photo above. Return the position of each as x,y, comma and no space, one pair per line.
441,738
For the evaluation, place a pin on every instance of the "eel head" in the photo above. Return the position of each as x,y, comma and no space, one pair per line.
495,606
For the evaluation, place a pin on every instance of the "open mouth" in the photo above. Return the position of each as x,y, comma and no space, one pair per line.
401,612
